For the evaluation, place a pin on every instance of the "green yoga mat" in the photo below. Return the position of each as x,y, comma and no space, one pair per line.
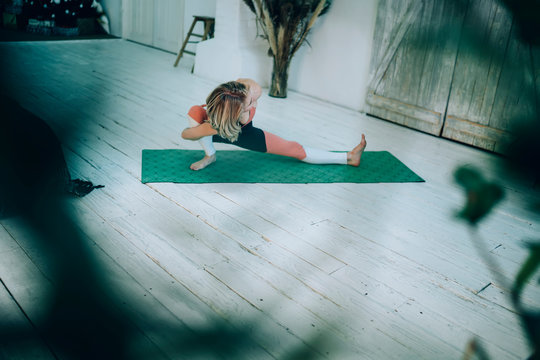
254,167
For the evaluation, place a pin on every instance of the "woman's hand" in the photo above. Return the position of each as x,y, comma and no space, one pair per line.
253,88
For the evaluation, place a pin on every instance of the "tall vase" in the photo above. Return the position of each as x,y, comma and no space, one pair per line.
280,76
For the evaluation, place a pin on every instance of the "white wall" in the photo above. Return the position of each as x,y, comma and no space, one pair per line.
336,66
138,21
235,51
157,23
168,24
113,9
200,8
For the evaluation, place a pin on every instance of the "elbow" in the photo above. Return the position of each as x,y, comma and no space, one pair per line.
185,135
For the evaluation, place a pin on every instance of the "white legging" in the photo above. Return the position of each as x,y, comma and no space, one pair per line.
317,156
206,142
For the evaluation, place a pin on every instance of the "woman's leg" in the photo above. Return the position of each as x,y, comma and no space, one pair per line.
280,146
255,139
196,116
206,142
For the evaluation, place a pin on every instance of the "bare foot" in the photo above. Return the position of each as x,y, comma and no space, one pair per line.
204,162
354,156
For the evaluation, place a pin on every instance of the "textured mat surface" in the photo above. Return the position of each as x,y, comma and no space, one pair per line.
254,167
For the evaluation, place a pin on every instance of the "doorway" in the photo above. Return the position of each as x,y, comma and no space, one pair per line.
454,69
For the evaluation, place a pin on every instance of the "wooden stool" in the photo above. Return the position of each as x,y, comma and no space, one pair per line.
208,33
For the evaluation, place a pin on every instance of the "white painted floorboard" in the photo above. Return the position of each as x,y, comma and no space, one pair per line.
340,271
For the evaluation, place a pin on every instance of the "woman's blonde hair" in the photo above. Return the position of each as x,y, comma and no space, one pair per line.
224,106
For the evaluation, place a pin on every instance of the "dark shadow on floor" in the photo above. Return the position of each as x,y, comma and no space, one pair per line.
20,35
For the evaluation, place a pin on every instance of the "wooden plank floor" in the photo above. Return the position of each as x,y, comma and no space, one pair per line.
337,271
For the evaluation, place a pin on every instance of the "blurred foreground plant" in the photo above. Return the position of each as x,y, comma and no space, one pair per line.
481,197
521,162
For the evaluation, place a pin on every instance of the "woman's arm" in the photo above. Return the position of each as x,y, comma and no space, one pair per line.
197,132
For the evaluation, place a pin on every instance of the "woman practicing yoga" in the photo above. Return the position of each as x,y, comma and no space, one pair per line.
228,119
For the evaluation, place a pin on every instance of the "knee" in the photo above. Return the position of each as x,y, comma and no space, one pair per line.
297,150
185,135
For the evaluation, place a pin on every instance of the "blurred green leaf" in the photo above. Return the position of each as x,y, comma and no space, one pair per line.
527,270
530,318
481,195
531,321
524,152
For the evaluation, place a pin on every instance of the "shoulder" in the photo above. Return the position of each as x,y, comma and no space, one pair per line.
198,113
